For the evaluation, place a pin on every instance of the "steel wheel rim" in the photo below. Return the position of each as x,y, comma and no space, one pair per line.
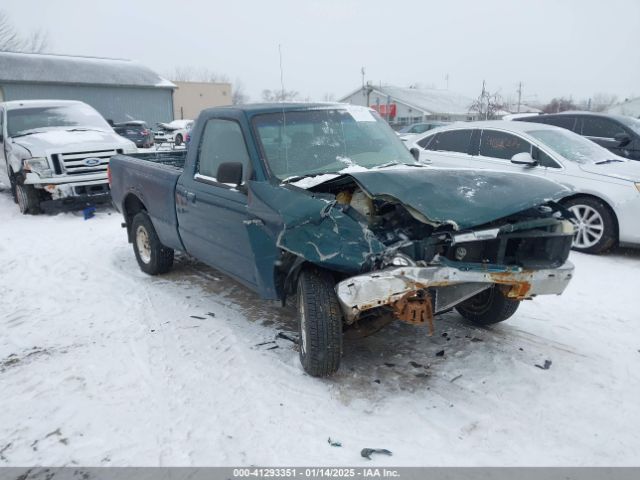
142,244
303,323
590,226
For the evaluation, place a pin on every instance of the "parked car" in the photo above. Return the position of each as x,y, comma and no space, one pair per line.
324,205
617,133
54,153
416,128
173,132
136,131
606,189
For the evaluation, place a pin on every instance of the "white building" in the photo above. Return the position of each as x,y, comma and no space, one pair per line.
403,106
629,107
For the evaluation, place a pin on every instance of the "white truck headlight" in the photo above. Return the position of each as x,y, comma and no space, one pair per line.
130,148
39,165
638,186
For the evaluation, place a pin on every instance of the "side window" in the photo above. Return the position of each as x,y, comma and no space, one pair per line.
600,127
502,145
424,143
543,159
222,141
562,121
451,141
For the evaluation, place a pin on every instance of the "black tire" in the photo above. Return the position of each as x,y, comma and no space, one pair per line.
606,221
152,256
12,184
488,307
319,323
178,140
27,198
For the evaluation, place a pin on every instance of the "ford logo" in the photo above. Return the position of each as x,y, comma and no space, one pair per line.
91,162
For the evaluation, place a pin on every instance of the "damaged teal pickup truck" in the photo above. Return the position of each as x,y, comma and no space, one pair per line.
323,205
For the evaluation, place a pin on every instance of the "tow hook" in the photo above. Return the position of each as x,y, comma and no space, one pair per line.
416,308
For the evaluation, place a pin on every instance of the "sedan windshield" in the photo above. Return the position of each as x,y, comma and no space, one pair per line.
24,120
312,142
632,123
572,146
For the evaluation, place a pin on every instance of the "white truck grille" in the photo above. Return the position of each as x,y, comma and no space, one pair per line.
86,162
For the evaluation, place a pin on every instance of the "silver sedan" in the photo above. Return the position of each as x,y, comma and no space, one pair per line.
606,187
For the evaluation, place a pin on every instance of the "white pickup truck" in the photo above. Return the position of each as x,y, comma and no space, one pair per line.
54,153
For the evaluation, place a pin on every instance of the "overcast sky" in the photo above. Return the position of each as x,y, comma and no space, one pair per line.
555,47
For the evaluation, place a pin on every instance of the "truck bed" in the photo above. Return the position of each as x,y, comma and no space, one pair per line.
173,158
151,177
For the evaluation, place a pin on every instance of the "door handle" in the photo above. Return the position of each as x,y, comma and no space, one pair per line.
191,197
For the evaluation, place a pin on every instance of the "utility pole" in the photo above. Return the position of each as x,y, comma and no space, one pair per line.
519,95
446,77
362,72
482,95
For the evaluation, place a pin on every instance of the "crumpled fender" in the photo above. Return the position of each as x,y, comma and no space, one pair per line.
311,226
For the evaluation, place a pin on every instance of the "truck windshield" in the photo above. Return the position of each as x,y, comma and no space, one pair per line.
24,120
328,140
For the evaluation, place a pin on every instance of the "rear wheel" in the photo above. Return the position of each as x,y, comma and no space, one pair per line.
488,307
320,323
595,225
152,256
27,198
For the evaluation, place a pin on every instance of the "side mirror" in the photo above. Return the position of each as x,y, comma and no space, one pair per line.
622,139
416,153
230,172
524,158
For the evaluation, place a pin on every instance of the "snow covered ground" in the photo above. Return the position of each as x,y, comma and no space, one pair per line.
103,365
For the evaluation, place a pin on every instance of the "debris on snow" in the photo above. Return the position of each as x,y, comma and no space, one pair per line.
334,443
366,452
547,364
440,353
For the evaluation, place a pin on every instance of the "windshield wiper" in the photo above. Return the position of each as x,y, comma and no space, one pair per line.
300,177
602,162
24,134
83,129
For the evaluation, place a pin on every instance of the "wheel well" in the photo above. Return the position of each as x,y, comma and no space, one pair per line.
131,206
593,197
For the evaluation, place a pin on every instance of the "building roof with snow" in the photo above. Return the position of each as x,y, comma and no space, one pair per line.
430,101
67,69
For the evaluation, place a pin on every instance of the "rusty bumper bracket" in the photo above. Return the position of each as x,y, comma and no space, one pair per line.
396,286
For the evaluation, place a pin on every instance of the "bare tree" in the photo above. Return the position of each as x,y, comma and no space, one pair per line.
488,104
602,101
238,95
328,97
12,41
197,74
280,95
559,105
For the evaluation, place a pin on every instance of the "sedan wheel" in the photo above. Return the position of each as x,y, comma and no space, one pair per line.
595,225
590,226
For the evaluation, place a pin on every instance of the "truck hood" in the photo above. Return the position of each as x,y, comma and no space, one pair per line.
463,198
59,141
622,170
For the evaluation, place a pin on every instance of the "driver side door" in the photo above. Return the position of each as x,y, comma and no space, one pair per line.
4,168
211,214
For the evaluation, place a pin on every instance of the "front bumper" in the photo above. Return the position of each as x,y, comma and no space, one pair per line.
447,286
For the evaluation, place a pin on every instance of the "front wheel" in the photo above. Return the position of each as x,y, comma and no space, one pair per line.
320,323
595,225
488,307
152,256
27,198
